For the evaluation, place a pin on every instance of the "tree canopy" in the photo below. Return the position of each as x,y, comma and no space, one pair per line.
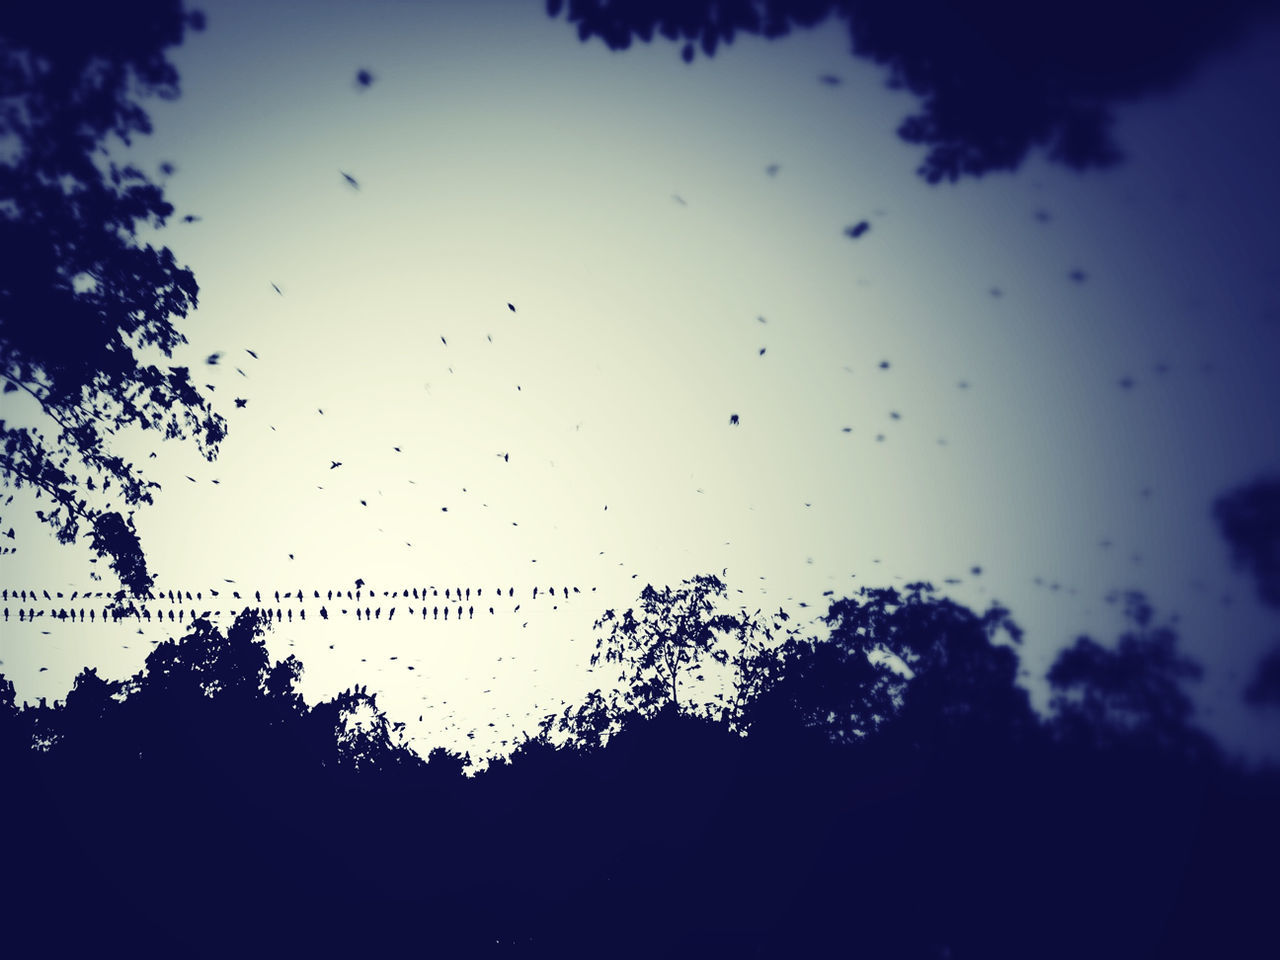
910,667
996,79
677,651
84,305
201,802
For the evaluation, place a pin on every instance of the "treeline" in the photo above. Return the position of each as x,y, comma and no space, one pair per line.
883,791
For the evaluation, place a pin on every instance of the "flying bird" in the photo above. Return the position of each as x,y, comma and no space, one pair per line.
772,169
334,464
250,353
191,218
364,78
354,183
277,290
733,419
830,79
762,351
511,307
240,402
857,230
212,359
679,199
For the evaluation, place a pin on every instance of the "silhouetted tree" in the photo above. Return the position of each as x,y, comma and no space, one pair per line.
996,78
913,667
1130,695
364,737
668,645
1249,519
81,298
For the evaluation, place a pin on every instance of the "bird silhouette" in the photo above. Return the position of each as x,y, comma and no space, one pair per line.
829,79
857,230
277,289
213,358
733,419
250,353
355,184
240,402
334,464
772,169
364,78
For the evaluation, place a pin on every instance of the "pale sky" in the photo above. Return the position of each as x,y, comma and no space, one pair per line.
621,203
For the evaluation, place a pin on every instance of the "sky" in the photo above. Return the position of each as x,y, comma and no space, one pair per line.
1027,389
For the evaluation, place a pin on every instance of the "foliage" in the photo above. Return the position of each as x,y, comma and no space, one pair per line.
674,640
995,78
181,801
910,666
1132,693
82,301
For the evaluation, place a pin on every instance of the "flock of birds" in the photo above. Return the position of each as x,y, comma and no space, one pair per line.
415,601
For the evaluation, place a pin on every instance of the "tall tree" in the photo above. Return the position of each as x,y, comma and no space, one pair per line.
1131,693
82,300
674,643
910,666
